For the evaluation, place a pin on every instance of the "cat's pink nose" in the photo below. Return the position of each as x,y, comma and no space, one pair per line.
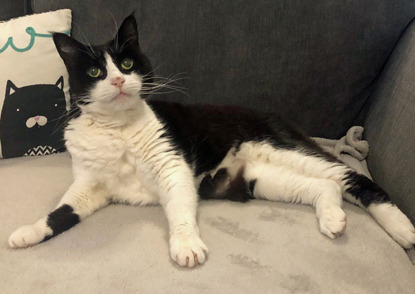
118,82
36,117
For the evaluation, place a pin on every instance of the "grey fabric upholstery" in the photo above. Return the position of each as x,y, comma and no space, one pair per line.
12,8
314,61
258,247
390,125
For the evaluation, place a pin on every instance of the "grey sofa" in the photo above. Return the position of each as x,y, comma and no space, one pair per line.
327,65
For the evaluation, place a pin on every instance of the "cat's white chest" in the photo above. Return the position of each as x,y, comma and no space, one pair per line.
95,147
114,157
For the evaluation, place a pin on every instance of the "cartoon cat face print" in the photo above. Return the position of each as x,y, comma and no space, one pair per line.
32,118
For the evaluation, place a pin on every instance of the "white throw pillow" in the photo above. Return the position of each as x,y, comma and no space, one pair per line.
34,89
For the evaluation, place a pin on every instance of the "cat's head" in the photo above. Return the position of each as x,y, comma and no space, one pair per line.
107,78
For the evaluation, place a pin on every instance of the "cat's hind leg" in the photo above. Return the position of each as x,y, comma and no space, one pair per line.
282,183
81,200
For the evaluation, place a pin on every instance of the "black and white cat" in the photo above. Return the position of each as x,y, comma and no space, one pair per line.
129,150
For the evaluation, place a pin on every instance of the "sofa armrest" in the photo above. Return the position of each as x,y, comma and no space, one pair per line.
390,125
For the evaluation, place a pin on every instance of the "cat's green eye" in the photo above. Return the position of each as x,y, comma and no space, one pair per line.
94,71
127,63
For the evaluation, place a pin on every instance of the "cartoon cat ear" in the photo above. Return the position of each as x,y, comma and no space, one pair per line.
10,88
59,83
128,32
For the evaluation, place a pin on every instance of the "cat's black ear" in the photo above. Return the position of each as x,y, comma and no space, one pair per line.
10,88
67,46
59,83
128,32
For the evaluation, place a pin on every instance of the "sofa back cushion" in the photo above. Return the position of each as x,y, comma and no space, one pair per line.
390,125
12,8
313,61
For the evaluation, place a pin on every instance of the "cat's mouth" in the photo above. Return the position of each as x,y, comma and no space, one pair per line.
121,96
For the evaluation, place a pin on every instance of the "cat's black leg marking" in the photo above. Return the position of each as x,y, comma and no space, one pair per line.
364,190
61,219
222,186
251,186
239,189
209,186
206,187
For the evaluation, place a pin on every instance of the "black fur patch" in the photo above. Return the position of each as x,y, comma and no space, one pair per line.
205,133
364,189
209,186
61,219
252,186
222,186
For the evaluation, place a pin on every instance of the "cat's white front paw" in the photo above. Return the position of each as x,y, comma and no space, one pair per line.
187,251
332,222
395,222
29,235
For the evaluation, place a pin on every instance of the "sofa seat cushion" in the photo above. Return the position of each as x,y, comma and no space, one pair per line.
260,247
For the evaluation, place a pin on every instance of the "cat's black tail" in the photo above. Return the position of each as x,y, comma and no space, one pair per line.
361,190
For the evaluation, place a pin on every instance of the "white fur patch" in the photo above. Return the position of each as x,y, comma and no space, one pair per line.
29,235
394,222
